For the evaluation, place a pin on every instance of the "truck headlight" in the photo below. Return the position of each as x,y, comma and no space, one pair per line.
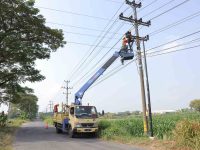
78,125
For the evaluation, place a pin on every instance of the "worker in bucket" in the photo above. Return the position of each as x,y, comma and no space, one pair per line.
124,44
124,47
127,43
130,40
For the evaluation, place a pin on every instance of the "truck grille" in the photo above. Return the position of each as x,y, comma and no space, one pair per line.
86,125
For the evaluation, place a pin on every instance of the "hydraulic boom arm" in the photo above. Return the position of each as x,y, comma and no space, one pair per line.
80,93
125,55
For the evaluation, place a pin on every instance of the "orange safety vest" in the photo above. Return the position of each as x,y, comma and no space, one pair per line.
124,41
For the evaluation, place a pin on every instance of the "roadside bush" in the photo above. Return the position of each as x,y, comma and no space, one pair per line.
7,132
103,124
187,133
3,120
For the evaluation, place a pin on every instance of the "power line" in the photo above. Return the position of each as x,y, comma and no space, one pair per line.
188,35
113,71
182,49
117,70
124,11
85,57
165,4
176,23
88,44
74,13
92,29
187,48
83,34
96,56
83,28
147,5
192,16
109,50
121,25
113,1
119,40
101,57
84,76
171,9
188,42
151,19
176,6
90,53
97,62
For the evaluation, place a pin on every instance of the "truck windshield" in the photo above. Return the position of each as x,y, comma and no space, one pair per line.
85,112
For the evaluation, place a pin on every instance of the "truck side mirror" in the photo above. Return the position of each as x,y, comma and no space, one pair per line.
72,111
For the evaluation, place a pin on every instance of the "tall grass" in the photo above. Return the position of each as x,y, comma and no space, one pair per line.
122,127
7,132
187,133
163,125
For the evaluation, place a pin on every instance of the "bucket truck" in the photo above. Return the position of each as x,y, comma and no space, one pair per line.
77,118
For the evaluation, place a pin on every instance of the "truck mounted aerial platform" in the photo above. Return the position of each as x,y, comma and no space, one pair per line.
77,118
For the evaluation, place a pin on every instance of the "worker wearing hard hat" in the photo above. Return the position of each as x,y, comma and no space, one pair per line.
124,44
130,40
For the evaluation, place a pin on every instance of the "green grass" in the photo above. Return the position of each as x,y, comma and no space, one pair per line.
48,120
7,133
164,127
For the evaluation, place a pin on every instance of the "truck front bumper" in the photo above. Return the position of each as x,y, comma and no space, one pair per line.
85,130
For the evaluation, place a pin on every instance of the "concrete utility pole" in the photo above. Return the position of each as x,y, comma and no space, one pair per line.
51,106
136,23
148,91
67,90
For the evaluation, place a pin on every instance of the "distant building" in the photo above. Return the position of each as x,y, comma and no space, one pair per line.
163,111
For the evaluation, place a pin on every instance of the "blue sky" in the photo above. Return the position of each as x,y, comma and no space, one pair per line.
174,78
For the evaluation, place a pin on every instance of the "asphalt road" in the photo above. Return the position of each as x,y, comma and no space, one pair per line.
34,136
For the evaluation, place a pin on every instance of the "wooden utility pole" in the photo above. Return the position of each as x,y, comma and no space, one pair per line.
136,23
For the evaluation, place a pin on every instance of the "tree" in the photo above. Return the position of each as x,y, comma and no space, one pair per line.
28,106
24,105
195,104
24,38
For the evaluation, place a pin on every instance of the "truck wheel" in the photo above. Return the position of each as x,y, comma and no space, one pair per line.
58,130
71,133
